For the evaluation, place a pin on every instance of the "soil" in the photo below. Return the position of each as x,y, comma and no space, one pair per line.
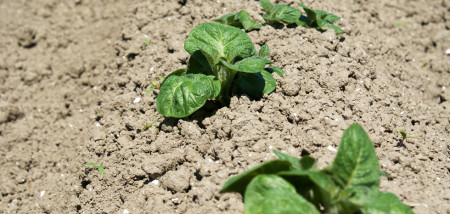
74,76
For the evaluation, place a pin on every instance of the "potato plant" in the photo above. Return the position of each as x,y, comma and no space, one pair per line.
291,185
223,59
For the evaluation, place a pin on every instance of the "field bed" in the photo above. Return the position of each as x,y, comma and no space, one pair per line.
74,74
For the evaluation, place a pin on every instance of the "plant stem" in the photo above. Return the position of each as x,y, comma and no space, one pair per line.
225,77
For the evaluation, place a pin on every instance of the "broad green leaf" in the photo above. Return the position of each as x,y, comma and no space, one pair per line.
269,82
295,162
331,17
251,84
256,84
239,182
246,22
277,12
271,194
275,69
324,25
248,65
356,163
286,14
267,6
264,51
180,96
376,202
198,64
315,186
219,41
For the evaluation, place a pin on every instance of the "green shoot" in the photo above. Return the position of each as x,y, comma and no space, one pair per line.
404,137
155,84
146,42
99,167
149,125
424,64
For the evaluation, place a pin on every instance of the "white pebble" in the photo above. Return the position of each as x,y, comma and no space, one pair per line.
42,193
138,99
331,148
447,52
125,211
155,182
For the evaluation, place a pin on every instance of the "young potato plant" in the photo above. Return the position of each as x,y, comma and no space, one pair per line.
280,13
223,60
291,185
320,20
240,19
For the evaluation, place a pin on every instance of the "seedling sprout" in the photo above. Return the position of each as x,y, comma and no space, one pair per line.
155,84
404,137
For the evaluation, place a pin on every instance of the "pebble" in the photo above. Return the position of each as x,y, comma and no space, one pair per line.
331,148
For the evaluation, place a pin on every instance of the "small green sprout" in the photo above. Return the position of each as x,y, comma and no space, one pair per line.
424,64
146,42
399,24
155,85
99,167
149,125
404,137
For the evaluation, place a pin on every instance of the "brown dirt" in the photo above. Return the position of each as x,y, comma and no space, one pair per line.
70,72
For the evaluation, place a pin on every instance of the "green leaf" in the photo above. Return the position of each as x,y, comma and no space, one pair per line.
271,194
239,183
277,12
323,25
264,51
267,6
198,64
403,133
295,162
376,202
307,162
248,65
315,186
228,19
275,69
256,84
269,82
246,22
99,167
251,84
320,20
180,96
241,19
219,41
356,163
